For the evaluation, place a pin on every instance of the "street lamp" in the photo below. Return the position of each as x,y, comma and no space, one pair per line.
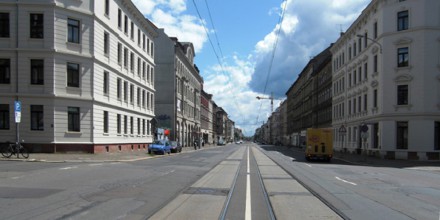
374,41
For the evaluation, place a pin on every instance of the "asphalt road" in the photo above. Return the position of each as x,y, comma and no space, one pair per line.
232,182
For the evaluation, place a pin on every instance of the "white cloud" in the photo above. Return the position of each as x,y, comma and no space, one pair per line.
308,28
170,15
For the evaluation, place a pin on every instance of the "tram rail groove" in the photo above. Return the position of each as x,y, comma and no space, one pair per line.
310,189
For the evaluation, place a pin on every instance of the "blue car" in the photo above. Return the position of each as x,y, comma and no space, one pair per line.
160,146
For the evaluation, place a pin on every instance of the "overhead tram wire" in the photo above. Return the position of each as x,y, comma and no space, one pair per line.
220,61
215,32
280,23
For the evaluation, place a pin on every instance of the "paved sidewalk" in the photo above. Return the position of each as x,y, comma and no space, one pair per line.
95,158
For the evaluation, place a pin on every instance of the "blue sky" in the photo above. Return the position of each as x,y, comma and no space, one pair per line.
243,34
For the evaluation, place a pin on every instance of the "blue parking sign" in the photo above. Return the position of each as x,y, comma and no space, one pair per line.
17,106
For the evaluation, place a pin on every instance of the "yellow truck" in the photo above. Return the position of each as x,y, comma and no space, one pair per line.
319,144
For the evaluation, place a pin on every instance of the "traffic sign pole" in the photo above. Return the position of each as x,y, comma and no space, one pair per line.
17,108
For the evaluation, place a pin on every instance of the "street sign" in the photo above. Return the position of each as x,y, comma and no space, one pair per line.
17,108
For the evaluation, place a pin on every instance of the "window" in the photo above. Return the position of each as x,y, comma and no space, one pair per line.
118,88
73,119
36,26
143,41
131,125
148,127
437,135
365,71
105,125
143,69
139,126
152,49
143,126
106,7
106,83
5,71
132,94
375,30
4,117
360,44
119,18
73,31
106,43
139,37
139,64
359,103
375,98
72,75
37,118
402,57
375,64
402,95
365,40
125,124
119,53
143,98
132,62
152,76
132,31
402,20
37,72
4,24
139,96
148,100
125,24
125,91
125,57
402,135
118,121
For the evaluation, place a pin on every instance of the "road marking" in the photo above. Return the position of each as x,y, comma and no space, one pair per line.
308,165
248,212
68,168
345,181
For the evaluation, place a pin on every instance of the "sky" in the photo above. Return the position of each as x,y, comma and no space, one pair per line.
250,48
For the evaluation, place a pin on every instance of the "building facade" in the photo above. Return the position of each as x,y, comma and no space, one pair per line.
309,99
178,90
83,73
386,81
206,119
221,124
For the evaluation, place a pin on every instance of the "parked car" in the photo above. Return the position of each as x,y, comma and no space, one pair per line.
175,147
160,146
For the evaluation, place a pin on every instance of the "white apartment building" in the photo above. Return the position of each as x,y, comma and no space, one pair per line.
83,71
178,89
386,81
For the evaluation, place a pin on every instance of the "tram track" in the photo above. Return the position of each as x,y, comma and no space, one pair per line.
250,185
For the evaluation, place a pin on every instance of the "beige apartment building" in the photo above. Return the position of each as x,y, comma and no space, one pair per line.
386,81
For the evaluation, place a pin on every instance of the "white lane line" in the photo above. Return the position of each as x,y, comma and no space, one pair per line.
248,215
68,168
308,165
345,181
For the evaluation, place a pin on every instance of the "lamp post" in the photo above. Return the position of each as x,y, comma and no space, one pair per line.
374,41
